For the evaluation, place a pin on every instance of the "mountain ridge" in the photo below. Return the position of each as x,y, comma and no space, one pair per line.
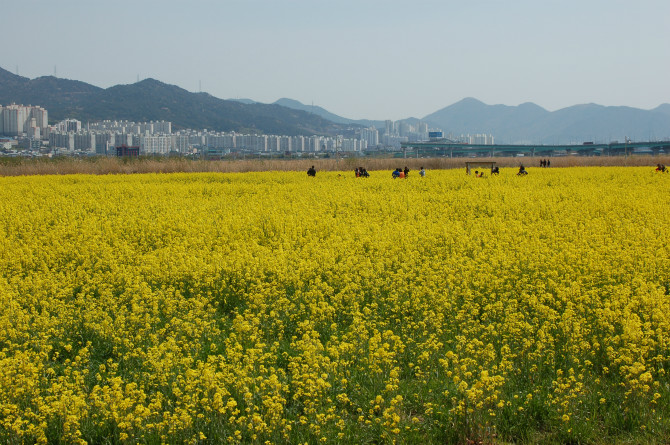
530,123
292,103
151,99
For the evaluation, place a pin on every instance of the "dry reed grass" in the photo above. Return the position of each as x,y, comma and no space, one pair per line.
107,165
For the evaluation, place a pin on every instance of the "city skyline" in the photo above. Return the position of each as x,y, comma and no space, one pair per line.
29,126
363,60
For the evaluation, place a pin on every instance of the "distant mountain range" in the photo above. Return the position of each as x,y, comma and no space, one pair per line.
530,123
319,111
290,103
151,99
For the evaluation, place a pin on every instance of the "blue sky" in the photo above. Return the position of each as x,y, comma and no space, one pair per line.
373,59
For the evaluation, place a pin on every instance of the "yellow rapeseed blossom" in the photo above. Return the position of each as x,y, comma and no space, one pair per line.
277,308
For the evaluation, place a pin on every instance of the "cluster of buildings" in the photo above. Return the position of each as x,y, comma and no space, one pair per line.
157,138
102,138
475,139
398,132
29,126
403,131
17,120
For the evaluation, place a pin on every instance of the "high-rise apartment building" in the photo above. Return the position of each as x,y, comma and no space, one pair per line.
69,125
156,144
297,143
84,141
18,119
370,136
61,140
390,127
404,129
273,143
313,143
479,139
180,143
41,117
284,144
163,127
14,117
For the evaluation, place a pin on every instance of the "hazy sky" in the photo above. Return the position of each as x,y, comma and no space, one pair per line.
373,59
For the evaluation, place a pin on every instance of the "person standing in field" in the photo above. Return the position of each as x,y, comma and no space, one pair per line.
311,171
422,172
406,172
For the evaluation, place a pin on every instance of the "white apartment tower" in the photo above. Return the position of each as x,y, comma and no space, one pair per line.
370,136
297,143
156,144
18,119
390,128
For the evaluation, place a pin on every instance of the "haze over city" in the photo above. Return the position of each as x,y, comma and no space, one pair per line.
367,59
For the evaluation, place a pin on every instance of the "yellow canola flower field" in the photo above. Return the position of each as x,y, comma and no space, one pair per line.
279,308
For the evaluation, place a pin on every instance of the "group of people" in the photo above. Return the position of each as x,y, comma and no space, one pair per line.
402,174
361,172
494,171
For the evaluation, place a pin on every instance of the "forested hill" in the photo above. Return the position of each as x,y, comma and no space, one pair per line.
151,99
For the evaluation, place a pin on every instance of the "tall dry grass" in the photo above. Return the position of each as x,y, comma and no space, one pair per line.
108,165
